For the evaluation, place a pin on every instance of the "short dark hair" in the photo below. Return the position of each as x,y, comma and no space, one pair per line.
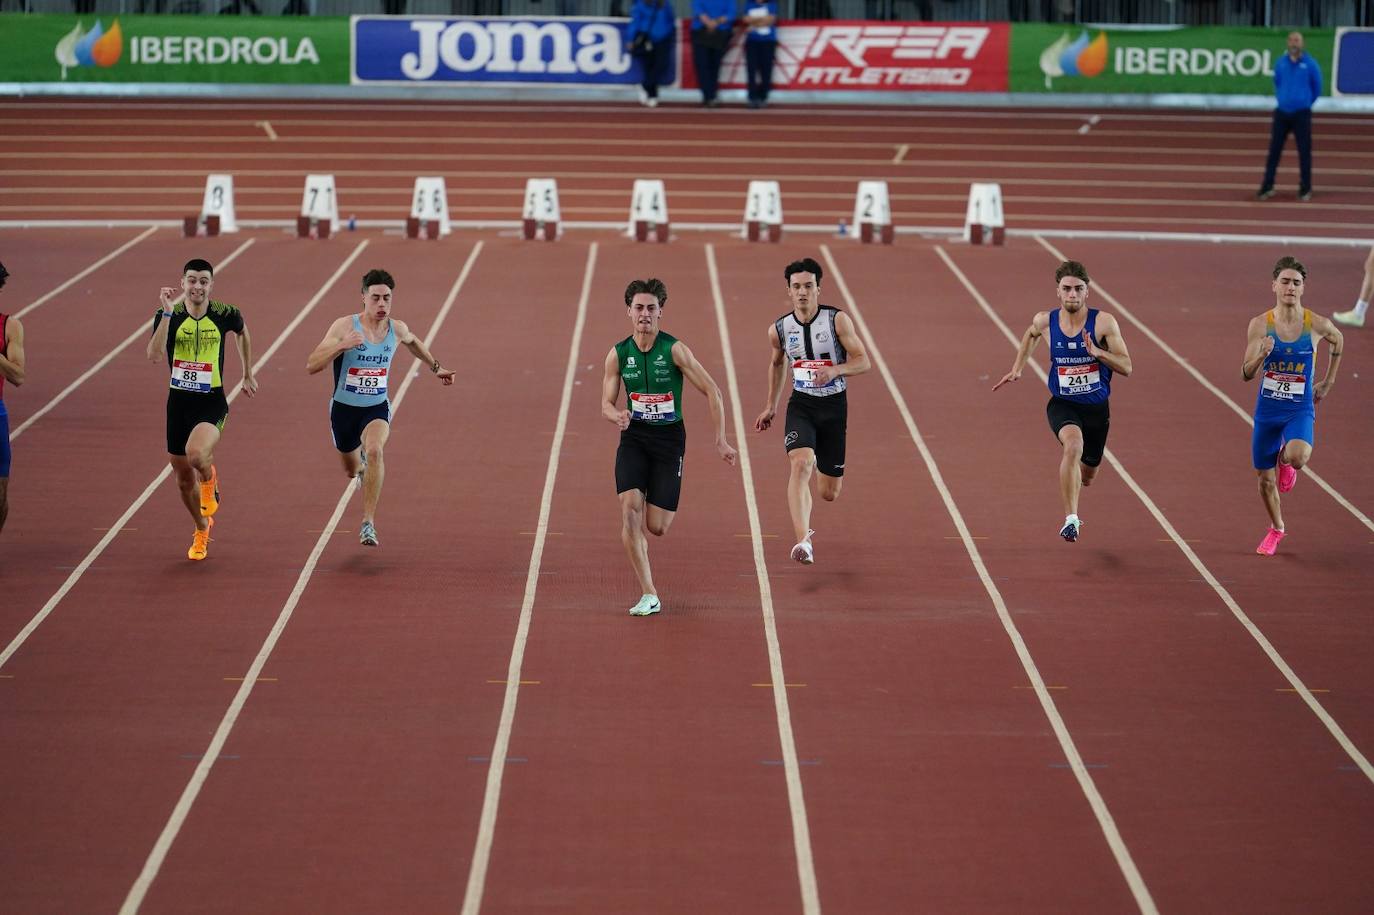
1287,262
4,275
1074,269
652,286
378,278
197,265
805,265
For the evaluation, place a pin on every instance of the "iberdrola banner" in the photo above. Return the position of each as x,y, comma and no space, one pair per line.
173,49
1204,61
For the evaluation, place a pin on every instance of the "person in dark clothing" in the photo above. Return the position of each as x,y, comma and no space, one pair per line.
652,27
1297,85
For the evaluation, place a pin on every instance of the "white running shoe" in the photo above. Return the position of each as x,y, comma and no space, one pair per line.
367,534
648,605
1351,318
803,551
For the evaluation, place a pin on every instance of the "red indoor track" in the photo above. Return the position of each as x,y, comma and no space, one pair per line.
951,711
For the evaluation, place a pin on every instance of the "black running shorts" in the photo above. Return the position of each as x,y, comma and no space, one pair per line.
818,423
1092,418
650,459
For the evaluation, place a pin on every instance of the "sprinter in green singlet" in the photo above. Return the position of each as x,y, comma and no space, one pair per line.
649,366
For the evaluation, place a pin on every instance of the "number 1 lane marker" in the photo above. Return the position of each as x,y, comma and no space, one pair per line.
801,830
486,827
166,471
1269,650
198,778
1105,821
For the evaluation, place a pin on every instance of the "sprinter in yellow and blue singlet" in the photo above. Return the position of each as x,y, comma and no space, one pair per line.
1281,349
649,366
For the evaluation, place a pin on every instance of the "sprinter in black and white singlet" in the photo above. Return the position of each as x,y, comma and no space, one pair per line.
360,348
649,367
1086,349
817,347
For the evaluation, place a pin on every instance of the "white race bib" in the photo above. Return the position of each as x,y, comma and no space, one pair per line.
1078,379
804,372
1284,385
653,408
192,376
366,382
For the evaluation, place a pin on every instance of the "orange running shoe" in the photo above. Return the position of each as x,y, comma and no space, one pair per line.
200,546
209,493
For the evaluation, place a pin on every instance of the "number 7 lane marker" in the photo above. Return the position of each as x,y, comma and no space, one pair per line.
198,778
85,376
801,831
166,471
486,827
1105,821
1288,674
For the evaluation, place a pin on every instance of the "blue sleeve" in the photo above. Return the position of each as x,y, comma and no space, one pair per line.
639,19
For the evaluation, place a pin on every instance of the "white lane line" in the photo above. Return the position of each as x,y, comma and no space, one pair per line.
166,471
801,830
901,153
1288,674
486,827
267,128
86,375
1202,380
87,272
231,715
1105,821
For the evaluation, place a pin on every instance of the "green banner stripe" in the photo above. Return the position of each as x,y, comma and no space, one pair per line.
173,49
1205,61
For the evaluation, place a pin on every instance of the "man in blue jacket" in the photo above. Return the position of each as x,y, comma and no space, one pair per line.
1297,85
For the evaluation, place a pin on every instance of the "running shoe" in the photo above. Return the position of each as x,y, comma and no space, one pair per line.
1270,543
1287,474
209,493
367,534
803,551
648,605
200,545
1070,530
1351,318
1265,192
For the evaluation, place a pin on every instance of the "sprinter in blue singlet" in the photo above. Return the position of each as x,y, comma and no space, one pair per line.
1281,348
360,347
1086,349
12,370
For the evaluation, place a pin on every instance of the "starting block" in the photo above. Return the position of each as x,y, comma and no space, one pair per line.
984,220
540,214
319,208
216,210
649,210
872,213
429,228
191,226
763,211
429,209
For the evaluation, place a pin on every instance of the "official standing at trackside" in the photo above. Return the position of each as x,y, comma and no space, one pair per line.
1297,86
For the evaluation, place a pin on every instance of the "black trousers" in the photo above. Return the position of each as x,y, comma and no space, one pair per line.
758,63
1299,124
655,62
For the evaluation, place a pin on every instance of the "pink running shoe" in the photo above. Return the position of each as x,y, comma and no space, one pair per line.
1287,474
1270,544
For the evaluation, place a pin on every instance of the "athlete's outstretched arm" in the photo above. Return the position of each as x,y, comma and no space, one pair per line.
421,352
610,393
1112,353
12,359
1029,340
703,382
245,348
1332,335
777,373
1258,345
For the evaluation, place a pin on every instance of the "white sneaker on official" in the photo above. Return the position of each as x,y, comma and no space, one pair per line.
1351,318
648,605
643,95
803,552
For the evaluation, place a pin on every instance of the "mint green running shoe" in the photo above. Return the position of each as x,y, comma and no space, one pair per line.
648,605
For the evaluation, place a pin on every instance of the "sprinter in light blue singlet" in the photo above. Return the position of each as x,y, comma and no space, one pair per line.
360,348
1086,349
1281,348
